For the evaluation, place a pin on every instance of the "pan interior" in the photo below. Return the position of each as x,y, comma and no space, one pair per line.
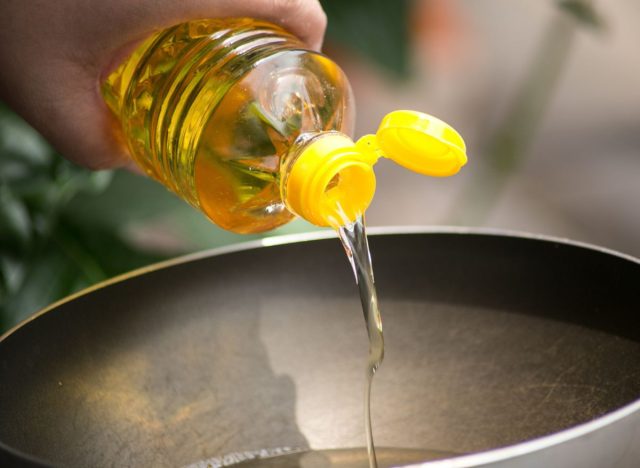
490,341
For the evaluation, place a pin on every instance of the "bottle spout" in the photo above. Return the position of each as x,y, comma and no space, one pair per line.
331,182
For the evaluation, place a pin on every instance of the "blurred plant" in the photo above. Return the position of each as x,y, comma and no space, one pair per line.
377,29
45,251
506,148
584,12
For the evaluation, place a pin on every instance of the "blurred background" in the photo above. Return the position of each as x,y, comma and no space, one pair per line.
546,94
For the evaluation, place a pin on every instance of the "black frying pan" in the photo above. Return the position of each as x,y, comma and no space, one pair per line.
493,341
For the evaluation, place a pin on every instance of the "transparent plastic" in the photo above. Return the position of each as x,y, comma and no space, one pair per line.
212,108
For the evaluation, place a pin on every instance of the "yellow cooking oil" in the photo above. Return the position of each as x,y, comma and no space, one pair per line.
238,118
210,108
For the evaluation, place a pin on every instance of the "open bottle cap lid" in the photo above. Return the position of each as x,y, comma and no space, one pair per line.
421,143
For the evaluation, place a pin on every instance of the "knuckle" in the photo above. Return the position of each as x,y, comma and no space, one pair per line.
322,19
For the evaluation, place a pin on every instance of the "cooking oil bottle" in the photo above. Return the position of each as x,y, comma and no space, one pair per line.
241,120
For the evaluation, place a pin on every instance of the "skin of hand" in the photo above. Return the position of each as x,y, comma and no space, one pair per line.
54,55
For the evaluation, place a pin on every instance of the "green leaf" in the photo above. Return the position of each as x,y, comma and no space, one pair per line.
128,199
14,167
98,182
103,252
583,12
15,223
45,254
12,272
74,257
378,29
48,278
17,137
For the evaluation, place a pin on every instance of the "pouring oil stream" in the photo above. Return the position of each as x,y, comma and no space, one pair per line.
354,239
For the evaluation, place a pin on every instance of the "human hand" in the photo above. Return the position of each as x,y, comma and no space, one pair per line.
54,54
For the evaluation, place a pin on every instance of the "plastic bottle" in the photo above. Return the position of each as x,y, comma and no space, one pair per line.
238,118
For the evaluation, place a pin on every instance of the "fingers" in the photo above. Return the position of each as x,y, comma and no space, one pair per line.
86,133
303,18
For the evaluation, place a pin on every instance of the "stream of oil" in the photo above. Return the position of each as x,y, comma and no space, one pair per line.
356,246
354,240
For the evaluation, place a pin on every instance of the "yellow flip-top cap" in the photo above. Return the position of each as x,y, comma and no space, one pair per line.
421,143
331,182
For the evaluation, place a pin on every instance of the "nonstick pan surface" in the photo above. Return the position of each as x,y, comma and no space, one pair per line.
518,350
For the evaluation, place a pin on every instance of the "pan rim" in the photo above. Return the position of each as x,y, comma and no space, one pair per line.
464,461
313,236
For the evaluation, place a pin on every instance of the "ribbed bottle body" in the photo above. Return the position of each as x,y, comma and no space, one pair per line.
210,109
